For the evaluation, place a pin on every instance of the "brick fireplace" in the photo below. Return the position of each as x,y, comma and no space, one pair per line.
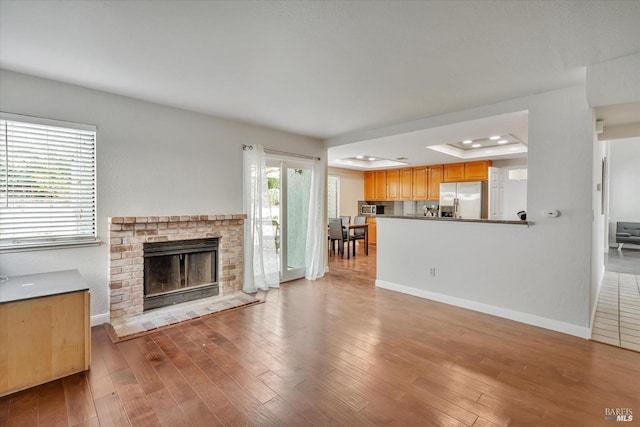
128,236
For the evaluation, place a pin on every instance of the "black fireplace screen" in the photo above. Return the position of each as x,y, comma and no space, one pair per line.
179,271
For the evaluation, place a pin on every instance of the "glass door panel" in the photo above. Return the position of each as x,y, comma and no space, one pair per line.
289,194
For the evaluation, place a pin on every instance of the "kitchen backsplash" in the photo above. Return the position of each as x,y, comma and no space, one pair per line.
411,207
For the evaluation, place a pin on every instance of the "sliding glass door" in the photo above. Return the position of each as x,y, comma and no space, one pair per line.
289,193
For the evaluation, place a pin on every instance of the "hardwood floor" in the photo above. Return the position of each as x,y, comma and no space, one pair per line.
339,351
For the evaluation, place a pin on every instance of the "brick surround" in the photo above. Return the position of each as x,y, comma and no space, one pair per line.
126,263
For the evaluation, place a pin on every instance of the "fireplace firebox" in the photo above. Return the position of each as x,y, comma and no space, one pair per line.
179,271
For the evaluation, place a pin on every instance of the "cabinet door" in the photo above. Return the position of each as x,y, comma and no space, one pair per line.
381,185
393,184
435,174
369,185
373,231
477,171
406,184
420,183
454,172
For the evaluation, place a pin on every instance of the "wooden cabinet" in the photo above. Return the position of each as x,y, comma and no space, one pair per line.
43,339
393,184
373,230
380,185
469,171
435,178
477,171
420,183
369,185
453,172
406,184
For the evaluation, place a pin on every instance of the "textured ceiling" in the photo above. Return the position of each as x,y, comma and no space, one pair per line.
317,68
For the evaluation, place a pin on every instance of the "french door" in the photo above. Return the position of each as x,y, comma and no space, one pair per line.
289,193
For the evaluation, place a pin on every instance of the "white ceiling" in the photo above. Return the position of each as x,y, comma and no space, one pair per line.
317,68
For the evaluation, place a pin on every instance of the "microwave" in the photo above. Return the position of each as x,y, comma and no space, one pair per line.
371,210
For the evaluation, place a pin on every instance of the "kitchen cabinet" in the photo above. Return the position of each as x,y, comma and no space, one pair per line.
393,184
369,185
469,171
477,171
435,178
373,230
420,183
406,184
453,172
45,332
380,185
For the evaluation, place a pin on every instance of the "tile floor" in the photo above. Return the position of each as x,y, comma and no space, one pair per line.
178,313
617,319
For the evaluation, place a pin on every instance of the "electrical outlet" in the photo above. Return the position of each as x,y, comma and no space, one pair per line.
432,272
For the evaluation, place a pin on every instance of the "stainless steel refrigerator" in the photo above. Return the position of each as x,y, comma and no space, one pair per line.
467,200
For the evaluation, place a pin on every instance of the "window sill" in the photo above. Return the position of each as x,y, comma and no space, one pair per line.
48,246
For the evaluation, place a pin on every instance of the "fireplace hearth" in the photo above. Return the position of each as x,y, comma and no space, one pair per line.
179,271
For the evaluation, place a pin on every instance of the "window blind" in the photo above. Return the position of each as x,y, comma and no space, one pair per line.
48,182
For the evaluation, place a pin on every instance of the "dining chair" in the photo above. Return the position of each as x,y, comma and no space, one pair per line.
358,233
336,234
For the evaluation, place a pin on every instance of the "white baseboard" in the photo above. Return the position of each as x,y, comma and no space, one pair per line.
99,319
518,316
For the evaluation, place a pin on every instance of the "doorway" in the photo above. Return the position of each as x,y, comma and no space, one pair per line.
289,183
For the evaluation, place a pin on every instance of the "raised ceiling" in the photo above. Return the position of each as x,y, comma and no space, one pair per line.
317,68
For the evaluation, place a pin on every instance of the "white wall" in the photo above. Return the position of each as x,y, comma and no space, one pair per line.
540,274
151,160
351,189
624,184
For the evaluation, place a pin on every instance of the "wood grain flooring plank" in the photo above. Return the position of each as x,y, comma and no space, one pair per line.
4,410
247,404
78,398
23,409
52,410
167,409
146,376
133,399
99,378
110,411
93,422
205,390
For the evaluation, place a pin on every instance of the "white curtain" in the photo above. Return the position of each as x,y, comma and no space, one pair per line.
261,269
317,225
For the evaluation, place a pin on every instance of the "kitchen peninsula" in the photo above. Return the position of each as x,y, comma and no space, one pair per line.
464,262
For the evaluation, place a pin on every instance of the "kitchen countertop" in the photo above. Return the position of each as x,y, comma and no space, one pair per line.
435,218
20,288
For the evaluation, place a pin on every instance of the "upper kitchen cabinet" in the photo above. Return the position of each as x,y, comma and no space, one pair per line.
470,171
454,172
380,185
435,178
477,171
420,183
393,184
406,184
369,185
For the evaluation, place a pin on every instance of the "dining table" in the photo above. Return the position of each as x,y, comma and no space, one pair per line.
364,227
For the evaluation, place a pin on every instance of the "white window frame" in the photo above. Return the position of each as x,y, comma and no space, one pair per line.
337,178
63,213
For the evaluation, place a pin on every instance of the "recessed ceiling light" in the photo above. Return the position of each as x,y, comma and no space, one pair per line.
493,138
359,157
371,159
467,141
502,141
476,145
